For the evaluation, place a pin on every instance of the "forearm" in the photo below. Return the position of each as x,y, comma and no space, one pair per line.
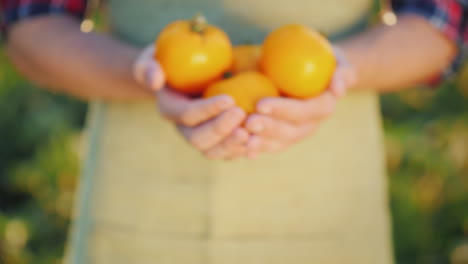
54,53
391,58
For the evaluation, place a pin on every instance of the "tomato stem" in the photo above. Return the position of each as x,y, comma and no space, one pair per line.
199,23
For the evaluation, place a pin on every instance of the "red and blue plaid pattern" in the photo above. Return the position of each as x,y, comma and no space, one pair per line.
12,11
448,16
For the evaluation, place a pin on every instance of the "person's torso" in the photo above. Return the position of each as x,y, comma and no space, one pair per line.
245,21
156,198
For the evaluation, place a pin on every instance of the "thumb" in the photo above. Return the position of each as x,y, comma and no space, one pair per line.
154,76
344,79
345,75
147,71
338,85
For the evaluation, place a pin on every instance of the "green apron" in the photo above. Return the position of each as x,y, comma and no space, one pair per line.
148,197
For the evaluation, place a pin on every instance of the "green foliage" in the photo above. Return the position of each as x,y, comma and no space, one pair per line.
427,150
38,169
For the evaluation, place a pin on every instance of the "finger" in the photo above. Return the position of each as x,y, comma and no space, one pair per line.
266,126
154,77
260,144
345,75
139,68
191,112
257,145
298,111
337,85
237,144
213,132
307,130
343,79
232,147
142,62
148,71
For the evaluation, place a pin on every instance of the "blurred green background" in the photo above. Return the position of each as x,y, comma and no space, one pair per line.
427,148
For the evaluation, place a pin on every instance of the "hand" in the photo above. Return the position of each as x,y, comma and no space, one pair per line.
281,122
210,125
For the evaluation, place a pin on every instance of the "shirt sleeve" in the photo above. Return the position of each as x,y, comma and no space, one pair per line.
12,11
447,16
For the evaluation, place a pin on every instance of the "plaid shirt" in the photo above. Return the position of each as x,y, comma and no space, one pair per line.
12,11
448,16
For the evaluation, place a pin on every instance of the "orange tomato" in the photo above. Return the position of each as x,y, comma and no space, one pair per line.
247,88
298,60
246,58
193,54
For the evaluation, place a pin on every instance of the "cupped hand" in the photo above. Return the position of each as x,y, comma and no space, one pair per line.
281,122
212,126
